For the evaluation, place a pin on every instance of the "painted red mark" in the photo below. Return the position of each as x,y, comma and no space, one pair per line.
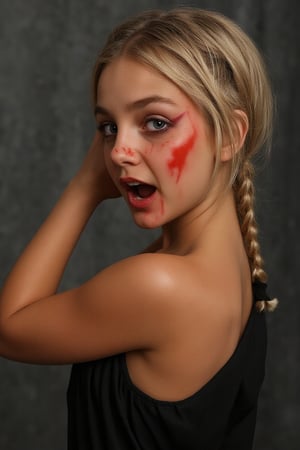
178,117
179,155
174,120
128,151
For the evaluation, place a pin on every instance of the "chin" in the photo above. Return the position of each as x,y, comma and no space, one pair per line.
149,223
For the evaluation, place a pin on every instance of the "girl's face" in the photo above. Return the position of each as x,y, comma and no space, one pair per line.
156,143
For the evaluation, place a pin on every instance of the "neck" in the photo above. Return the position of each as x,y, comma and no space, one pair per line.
208,223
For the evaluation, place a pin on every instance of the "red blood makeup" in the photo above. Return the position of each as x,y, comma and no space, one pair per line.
179,155
128,151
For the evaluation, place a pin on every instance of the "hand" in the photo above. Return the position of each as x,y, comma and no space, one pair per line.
93,174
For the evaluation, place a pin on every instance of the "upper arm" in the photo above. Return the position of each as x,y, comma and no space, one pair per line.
118,310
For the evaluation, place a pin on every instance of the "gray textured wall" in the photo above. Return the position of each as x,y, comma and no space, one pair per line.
47,50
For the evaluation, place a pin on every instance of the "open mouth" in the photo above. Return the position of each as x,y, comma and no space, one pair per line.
140,190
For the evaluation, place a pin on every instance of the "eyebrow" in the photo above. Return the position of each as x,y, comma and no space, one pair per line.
138,104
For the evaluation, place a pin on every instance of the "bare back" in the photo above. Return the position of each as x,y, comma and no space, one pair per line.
211,306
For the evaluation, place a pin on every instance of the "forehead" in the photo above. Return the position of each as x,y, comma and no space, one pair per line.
129,80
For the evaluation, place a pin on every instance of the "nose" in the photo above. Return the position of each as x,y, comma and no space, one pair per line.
123,154
126,150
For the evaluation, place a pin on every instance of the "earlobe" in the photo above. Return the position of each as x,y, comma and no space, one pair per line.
240,130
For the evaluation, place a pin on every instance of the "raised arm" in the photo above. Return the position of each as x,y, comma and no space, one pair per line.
39,269
117,310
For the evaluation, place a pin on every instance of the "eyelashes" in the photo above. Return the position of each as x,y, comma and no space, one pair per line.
151,125
156,124
108,129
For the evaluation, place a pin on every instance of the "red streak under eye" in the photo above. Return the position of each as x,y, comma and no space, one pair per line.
179,155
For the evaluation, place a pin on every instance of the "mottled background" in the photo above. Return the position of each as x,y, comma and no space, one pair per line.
47,50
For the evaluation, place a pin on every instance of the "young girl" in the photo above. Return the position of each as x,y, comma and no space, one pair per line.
168,345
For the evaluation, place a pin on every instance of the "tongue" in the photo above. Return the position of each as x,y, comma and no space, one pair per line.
145,190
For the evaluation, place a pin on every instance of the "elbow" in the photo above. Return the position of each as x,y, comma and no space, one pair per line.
4,340
9,333
7,341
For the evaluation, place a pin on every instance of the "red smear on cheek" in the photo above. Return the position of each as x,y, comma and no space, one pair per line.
179,155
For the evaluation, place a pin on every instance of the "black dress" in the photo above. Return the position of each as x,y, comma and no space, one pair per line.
107,411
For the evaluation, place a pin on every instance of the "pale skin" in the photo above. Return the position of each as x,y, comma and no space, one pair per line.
178,309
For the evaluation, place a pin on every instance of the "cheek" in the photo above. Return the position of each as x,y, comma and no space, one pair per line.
177,161
108,162
162,207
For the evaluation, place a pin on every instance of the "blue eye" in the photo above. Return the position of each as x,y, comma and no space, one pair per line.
157,125
108,129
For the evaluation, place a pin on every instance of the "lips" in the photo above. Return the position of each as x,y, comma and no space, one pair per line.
141,190
140,193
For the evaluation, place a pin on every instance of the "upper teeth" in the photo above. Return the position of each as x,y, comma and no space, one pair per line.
133,183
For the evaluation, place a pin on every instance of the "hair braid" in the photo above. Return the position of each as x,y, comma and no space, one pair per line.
244,193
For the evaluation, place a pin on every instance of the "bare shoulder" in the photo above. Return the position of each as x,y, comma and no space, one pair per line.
161,284
153,271
179,293
167,280
201,324
146,303
159,277
123,308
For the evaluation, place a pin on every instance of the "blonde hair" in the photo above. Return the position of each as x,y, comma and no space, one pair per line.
219,68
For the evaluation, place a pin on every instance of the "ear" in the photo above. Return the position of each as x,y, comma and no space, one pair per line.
241,126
